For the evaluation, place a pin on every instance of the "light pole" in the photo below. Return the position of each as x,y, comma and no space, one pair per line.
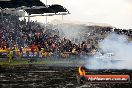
28,17
62,17
46,14
46,19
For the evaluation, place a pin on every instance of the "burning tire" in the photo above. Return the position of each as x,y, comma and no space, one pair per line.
81,76
81,79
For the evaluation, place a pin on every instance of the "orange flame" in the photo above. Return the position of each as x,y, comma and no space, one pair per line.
81,71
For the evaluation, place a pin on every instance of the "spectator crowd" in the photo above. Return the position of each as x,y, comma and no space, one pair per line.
30,39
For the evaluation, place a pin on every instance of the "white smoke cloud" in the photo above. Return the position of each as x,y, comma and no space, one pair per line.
122,54
70,30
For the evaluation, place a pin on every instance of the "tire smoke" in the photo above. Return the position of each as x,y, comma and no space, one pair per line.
115,53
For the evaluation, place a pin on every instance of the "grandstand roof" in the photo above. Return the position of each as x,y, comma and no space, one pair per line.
32,4
6,4
28,3
58,8
20,3
39,11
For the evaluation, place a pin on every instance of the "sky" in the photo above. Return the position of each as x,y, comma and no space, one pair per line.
117,13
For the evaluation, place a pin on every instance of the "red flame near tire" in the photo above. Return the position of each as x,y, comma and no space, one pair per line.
81,71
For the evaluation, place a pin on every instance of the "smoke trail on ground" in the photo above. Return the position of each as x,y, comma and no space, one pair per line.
117,54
